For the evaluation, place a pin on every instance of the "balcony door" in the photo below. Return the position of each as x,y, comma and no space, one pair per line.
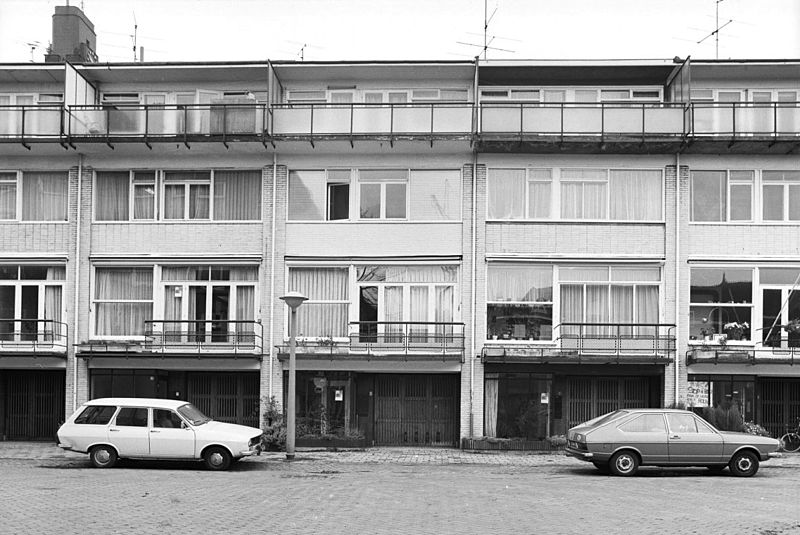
413,311
35,307
780,305
11,118
155,117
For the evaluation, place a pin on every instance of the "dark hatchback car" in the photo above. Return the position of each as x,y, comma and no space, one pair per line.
623,440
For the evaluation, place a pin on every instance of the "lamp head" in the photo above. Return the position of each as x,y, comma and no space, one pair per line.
294,299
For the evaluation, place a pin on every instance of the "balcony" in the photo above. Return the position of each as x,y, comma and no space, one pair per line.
350,122
411,340
624,125
18,335
593,343
167,122
724,353
745,126
39,122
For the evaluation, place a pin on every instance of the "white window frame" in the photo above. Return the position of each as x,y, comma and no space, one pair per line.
94,301
786,187
551,302
348,301
17,181
382,183
40,284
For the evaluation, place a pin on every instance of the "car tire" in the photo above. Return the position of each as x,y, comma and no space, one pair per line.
217,458
744,464
602,467
624,463
103,456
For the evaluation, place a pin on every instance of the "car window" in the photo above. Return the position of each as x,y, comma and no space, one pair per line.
193,414
165,418
605,419
132,417
96,415
682,423
646,423
703,427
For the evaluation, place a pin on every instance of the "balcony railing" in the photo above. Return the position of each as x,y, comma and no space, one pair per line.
35,121
746,119
353,120
745,353
32,335
440,338
217,336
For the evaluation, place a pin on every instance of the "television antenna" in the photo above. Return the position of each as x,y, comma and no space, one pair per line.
487,40
133,37
301,52
33,46
715,33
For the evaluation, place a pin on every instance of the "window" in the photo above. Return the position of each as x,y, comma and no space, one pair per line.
380,194
646,423
781,195
209,303
720,299
326,311
187,195
685,423
722,195
597,296
123,301
166,419
597,194
96,415
519,302
132,417
31,295
8,196
44,195
237,195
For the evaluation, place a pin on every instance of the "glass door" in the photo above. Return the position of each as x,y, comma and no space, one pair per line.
780,308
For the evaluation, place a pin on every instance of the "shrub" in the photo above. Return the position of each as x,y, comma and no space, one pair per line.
274,426
755,429
726,416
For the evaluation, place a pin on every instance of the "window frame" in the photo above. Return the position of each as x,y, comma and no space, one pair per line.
383,183
786,189
94,301
551,303
730,182
41,285
17,182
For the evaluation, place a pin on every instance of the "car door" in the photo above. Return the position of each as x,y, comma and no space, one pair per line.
170,436
129,432
692,441
648,434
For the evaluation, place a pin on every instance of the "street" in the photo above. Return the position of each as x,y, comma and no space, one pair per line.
389,491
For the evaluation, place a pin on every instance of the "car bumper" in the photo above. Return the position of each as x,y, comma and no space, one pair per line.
772,455
580,454
255,450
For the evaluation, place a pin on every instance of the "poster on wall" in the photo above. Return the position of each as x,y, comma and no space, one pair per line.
698,394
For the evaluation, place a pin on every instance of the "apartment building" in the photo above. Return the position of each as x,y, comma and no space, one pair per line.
499,249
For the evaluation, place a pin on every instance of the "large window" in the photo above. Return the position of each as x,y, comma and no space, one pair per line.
519,302
597,296
781,195
123,301
374,194
31,295
233,195
721,302
33,195
326,311
595,194
722,195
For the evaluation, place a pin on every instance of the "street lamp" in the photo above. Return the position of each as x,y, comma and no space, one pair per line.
293,300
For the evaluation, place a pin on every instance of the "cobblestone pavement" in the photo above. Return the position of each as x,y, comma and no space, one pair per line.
387,490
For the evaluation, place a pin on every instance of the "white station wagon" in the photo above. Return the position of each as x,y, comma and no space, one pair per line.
139,428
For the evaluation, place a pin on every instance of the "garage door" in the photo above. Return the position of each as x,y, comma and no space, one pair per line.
34,404
227,397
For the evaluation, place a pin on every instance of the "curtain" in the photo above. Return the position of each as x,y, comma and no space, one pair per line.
571,307
709,199
326,318
506,193
435,195
647,308
174,201
237,195
594,200
8,196
418,273
44,196
597,309
571,200
246,313
419,312
520,283
635,194
199,201
173,326
144,201
52,312
127,288
307,190
539,200
393,312
490,403
622,308
444,310
111,196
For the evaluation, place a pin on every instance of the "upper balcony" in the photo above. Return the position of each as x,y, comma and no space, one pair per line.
32,336
592,343
31,123
385,340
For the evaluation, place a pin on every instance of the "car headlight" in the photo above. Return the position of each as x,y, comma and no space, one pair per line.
580,438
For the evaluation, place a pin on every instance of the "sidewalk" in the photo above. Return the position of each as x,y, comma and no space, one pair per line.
431,456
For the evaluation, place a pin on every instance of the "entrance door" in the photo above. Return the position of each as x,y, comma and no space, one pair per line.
416,410
780,305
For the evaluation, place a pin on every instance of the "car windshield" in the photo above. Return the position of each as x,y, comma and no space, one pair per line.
193,414
600,420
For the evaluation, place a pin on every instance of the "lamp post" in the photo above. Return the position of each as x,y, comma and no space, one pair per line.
293,300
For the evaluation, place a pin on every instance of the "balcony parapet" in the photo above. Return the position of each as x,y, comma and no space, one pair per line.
729,354
26,336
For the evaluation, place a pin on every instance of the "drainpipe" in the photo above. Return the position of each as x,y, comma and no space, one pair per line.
473,326
271,306
677,264
77,285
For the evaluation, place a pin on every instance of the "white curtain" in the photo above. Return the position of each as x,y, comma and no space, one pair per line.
647,308
419,273
583,193
52,312
520,283
444,309
44,196
307,191
636,195
539,200
237,195
131,291
8,196
490,404
330,285
111,196
245,312
596,308
622,307
506,193
173,297
419,311
174,201
199,201
393,312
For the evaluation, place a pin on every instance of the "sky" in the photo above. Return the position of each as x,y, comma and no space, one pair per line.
236,30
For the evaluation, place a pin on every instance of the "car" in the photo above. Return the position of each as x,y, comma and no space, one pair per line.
621,441
109,429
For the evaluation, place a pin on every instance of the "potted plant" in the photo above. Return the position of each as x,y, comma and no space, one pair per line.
735,330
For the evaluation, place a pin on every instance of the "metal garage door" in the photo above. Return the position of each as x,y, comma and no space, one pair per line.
589,397
34,404
416,410
227,397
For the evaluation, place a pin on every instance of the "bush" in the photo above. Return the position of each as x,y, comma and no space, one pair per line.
755,429
557,441
726,417
274,426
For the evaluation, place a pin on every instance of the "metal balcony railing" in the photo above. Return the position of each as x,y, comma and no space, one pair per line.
217,336
774,350
32,335
745,119
32,122
354,120
407,337
619,339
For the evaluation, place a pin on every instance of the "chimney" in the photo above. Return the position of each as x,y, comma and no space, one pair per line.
73,37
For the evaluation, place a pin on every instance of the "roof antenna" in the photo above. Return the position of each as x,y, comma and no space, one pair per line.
715,33
135,31
487,40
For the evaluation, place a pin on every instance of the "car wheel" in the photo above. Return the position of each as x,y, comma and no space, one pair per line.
744,464
103,456
624,463
602,467
217,458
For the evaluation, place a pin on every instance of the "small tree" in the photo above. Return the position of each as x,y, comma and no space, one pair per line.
273,425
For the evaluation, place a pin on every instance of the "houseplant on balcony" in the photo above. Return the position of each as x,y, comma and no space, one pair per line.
735,330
